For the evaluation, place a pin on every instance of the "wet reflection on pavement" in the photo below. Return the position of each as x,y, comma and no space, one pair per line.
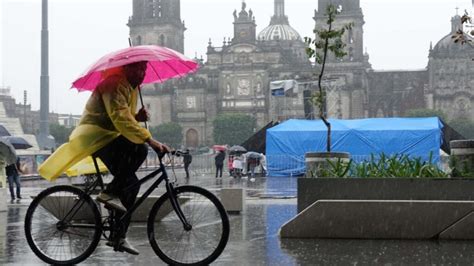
254,237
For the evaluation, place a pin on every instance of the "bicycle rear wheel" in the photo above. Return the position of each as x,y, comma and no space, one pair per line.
63,225
204,242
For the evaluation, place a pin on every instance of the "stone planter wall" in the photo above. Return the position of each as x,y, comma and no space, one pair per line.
312,189
462,157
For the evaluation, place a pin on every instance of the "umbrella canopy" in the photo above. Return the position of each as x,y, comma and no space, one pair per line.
237,149
219,147
253,155
18,143
4,131
7,152
163,64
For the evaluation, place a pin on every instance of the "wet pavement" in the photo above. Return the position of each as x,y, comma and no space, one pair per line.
254,235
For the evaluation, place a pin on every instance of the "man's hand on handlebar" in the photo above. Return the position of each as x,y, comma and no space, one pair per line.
158,146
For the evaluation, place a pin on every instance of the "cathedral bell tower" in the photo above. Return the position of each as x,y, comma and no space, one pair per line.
244,26
351,13
347,96
157,22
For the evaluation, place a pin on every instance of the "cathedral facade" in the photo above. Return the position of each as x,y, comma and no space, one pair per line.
237,74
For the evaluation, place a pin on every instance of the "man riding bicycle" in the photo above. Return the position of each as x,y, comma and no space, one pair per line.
109,129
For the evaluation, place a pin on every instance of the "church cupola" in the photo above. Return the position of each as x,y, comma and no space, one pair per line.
456,24
157,22
279,16
279,28
244,26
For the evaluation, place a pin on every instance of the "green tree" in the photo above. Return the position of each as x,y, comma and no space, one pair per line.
60,133
327,40
233,129
169,133
425,113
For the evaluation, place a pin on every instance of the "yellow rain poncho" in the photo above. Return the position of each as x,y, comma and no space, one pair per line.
109,113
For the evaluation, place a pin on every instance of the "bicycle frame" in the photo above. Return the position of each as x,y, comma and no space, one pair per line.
163,177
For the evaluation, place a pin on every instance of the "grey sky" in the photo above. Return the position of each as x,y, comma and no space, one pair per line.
397,34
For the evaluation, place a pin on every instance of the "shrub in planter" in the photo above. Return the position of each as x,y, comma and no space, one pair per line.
384,166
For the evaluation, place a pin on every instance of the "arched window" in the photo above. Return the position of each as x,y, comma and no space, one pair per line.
139,40
192,138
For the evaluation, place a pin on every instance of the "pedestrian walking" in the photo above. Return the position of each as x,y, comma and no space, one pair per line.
237,164
187,159
219,161
13,174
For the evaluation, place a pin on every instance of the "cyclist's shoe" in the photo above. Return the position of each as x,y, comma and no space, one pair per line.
124,246
111,201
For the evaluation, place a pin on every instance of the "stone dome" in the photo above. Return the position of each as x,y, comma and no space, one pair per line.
447,43
279,32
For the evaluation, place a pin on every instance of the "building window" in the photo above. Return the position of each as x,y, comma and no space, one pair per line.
162,40
350,36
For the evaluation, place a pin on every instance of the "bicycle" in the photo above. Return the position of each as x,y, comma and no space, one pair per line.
187,225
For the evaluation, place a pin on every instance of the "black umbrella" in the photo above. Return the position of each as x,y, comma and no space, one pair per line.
4,131
18,142
237,149
253,155
7,152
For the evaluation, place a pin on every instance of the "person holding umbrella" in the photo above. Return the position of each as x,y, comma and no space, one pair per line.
109,127
9,159
13,175
109,118
219,162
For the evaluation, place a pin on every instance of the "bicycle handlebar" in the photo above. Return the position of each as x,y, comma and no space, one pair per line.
173,152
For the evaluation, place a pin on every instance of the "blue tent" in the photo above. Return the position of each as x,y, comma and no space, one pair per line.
287,143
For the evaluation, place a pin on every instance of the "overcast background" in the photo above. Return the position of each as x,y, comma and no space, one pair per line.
397,35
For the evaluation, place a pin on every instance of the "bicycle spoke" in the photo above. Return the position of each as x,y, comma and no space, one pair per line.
201,244
51,235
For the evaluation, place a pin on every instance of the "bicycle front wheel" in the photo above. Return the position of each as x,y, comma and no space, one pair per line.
199,245
63,225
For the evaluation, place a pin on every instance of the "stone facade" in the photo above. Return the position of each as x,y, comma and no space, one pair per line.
157,22
451,76
236,76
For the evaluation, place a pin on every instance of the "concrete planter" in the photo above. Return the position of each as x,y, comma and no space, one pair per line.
383,208
462,157
315,161
311,190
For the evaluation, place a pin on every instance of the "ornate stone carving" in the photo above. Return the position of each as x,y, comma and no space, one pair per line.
243,88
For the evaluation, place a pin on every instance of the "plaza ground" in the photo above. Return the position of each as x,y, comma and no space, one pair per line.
254,240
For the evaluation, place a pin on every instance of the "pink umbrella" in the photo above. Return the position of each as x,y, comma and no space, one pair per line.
163,64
